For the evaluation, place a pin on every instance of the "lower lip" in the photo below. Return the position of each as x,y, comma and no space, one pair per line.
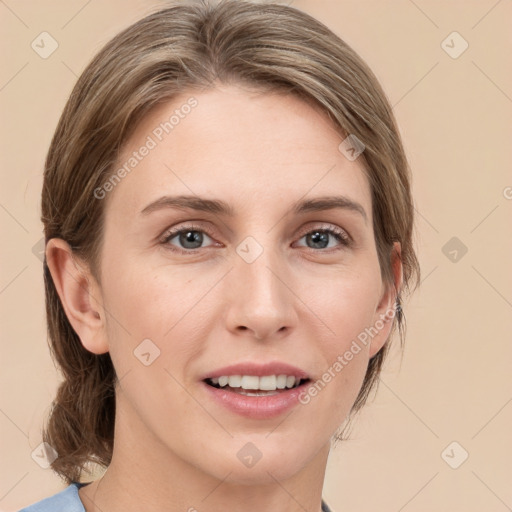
257,407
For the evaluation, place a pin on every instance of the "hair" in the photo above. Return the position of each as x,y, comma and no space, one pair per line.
187,46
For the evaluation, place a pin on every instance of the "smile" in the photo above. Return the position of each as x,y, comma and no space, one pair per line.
246,397
253,385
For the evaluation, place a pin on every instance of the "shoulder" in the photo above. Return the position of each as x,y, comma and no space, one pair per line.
66,500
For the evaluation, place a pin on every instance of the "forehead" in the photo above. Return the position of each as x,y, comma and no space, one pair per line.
254,149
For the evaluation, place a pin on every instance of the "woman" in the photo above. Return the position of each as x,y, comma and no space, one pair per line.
228,224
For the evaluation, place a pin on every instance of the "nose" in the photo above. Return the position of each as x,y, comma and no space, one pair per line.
261,301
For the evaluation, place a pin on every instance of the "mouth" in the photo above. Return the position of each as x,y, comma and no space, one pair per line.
253,385
255,390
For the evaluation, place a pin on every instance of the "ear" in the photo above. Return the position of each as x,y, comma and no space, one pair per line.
79,294
386,309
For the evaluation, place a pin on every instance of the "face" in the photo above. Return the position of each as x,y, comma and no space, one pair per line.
274,280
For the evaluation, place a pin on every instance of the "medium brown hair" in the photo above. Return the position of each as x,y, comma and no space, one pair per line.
194,45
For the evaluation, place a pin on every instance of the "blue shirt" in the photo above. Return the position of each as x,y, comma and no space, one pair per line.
68,500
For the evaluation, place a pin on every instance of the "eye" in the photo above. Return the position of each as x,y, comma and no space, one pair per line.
190,237
319,238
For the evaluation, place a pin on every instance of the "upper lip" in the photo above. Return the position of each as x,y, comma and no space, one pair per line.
258,370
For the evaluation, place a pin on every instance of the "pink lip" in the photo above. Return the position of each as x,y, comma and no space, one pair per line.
256,407
258,370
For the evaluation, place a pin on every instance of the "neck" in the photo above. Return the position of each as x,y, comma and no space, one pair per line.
145,473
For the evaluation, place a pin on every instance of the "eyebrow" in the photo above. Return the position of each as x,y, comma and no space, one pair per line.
219,207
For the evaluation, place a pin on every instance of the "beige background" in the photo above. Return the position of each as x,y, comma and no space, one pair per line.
454,382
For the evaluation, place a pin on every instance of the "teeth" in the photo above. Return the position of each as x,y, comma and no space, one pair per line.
281,382
268,383
264,383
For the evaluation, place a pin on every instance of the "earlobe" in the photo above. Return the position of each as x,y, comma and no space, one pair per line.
386,310
80,295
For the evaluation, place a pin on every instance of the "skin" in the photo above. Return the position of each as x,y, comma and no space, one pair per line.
298,303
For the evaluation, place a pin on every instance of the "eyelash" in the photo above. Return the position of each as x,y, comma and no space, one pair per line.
339,234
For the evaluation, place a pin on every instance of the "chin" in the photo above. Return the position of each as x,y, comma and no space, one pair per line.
263,473
258,460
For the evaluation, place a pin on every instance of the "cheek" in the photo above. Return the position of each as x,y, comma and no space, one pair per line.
346,309
146,301
347,304
148,323
155,311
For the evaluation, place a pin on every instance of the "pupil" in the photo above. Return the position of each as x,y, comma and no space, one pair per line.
191,237
320,238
